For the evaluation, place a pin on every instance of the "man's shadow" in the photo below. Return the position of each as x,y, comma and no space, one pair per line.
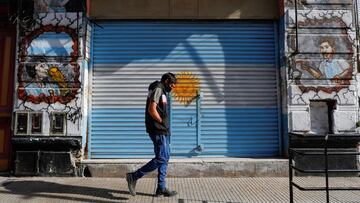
37,188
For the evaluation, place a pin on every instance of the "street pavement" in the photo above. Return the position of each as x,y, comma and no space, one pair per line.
194,190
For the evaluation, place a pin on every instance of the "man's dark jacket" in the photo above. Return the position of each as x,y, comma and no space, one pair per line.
152,126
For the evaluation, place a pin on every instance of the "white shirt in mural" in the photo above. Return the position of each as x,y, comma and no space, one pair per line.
333,67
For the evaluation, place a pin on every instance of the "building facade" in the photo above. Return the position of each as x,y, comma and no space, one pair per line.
220,60
248,73
48,128
322,60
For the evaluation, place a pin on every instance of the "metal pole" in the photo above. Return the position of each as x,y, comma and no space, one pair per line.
170,117
296,28
278,89
198,119
326,169
290,177
357,32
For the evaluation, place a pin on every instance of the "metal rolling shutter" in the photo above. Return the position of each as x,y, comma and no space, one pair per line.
235,64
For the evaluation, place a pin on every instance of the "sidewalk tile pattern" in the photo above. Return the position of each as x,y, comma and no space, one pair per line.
191,190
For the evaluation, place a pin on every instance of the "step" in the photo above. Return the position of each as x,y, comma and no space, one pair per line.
191,167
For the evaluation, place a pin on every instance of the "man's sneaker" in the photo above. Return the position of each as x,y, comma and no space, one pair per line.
165,192
131,183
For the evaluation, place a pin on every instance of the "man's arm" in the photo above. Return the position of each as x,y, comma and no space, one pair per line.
346,70
153,112
305,66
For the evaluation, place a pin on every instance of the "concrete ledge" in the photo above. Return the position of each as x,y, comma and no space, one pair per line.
194,167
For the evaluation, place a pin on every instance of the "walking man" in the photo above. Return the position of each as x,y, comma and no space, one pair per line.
158,128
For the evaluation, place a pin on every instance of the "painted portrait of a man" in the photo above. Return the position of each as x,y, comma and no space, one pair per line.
333,70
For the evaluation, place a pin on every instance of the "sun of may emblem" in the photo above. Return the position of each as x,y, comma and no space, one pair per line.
187,88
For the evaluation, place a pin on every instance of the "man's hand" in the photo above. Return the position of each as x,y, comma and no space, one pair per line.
153,112
336,79
304,65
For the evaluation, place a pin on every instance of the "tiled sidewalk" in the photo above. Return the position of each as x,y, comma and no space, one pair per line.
194,190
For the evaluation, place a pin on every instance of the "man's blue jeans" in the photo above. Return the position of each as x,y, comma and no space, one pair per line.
160,162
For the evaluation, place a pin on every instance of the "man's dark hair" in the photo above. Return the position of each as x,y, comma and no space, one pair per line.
30,70
331,41
168,76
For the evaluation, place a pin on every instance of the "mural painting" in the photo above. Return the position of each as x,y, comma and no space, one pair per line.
44,81
49,58
325,62
321,60
187,88
330,68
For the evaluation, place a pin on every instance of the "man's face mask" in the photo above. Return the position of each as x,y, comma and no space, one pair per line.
169,87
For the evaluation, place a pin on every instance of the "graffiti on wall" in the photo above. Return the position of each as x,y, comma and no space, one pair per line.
187,88
48,76
325,61
48,69
41,80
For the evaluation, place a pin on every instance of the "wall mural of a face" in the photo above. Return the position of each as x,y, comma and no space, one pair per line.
326,50
49,81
